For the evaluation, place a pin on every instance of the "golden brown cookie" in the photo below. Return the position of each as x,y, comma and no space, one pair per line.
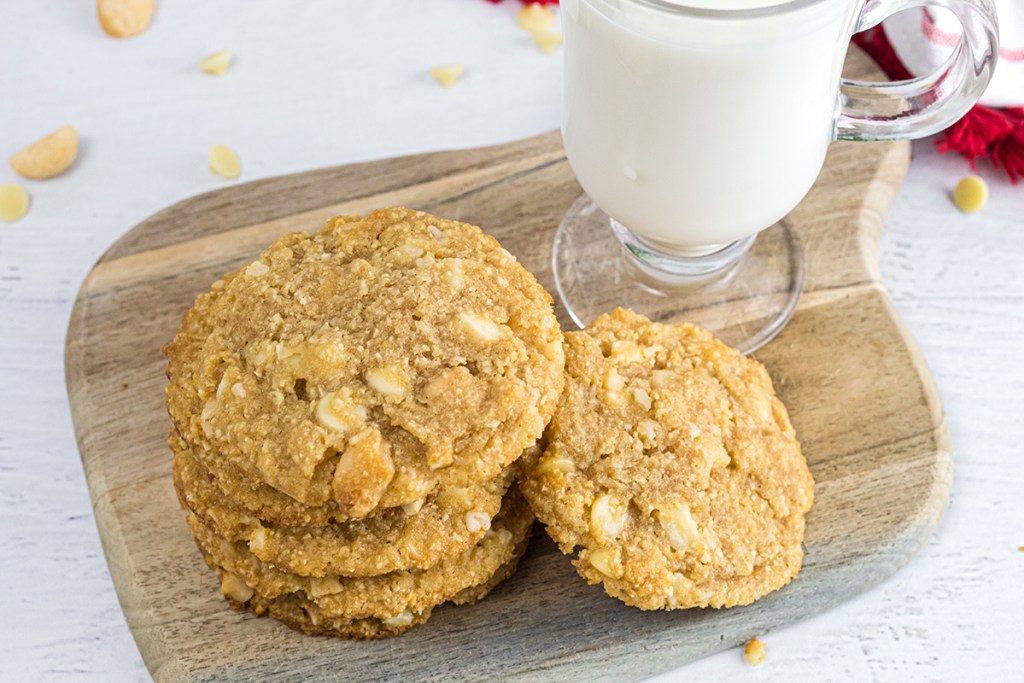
302,614
373,364
386,595
445,527
672,466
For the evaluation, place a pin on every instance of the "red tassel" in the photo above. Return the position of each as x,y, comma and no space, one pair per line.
877,45
1008,151
972,135
982,132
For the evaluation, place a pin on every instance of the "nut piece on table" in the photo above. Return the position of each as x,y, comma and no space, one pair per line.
13,202
548,41
49,156
447,75
216,63
125,18
224,162
363,473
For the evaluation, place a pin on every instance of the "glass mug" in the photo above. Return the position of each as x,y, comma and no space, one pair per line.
695,125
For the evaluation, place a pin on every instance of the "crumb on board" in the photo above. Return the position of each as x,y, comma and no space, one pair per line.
754,652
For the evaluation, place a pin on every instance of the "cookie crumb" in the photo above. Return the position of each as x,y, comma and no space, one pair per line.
447,75
217,63
754,652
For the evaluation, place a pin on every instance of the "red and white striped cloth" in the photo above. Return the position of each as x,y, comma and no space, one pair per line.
915,42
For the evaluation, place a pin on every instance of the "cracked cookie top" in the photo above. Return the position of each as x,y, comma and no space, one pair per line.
371,364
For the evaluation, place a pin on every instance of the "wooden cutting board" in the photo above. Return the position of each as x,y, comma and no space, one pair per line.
859,392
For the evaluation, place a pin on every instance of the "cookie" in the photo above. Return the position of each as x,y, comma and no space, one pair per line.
303,615
373,364
673,468
445,527
386,595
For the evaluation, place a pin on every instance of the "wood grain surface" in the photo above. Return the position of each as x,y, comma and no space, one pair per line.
859,393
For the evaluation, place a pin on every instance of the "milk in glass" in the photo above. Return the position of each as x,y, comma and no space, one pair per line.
695,133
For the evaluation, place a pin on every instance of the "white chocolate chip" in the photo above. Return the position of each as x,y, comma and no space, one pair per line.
389,380
613,380
363,473
608,517
412,250
648,429
328,585
232,586
258,539
480,327
454,498
477,521
554,463
642,397
238,390
222,387
607,562
661,378
336,411
680,526
413,507
257,268
403,618
434,230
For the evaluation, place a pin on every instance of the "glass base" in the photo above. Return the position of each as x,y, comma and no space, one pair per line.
743,292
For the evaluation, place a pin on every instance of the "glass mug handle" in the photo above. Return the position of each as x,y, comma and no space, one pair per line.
927,104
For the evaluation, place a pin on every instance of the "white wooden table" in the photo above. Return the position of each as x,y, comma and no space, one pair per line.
320,83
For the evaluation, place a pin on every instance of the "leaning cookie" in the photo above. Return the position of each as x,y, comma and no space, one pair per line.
672,467
387,594
445,527
375,363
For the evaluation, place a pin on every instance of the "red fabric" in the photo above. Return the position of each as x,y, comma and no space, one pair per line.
877,45
983,132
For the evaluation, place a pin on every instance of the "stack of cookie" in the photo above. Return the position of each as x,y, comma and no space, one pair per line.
347,415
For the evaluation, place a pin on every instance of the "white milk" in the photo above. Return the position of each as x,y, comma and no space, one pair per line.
696,131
